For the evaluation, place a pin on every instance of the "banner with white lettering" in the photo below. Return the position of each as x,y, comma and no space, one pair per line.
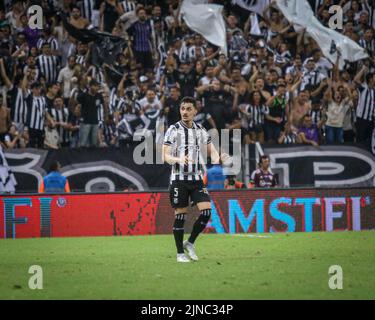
7,179
333,166
92,170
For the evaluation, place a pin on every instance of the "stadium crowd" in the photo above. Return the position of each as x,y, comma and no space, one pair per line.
275,86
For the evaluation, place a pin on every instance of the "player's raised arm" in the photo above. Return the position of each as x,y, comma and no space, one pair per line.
216,158
212,153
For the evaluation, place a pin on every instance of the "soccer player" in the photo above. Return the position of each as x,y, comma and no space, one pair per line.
182,148
263,177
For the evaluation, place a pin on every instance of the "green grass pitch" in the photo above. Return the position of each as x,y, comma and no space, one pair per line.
269,266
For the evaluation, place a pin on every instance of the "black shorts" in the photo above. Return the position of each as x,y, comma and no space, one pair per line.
181,191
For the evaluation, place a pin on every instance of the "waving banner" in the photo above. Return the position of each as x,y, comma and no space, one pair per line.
330,41
207,20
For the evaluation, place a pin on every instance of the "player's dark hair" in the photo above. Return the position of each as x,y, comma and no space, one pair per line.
263,157
191,100
54,166
262,100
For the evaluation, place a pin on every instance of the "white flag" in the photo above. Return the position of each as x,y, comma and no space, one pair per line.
255,29
207,20
257,6
300,13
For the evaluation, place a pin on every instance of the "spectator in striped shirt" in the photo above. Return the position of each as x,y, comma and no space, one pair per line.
14,139
36,114
368,42
127,6
5,121
49,65
289,135
82,53
108,135
88,9
47,37
16,94
365,83
60,116
370,7
254,114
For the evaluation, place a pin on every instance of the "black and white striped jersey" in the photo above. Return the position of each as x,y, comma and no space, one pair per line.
97,74
316,115
369,5
290,138
18,108
87,7
109,133
128,5
52,41
114,100
36,110
81,59
311,79
366,103
192,53
293,70
74,93
61,115
186,141
49,67
101,114
256,115
368,45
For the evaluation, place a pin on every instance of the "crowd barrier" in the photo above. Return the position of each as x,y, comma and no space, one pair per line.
144,213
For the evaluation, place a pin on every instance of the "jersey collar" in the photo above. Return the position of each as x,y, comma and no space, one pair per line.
193,127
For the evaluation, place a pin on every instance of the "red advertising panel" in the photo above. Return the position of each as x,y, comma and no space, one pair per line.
242,211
